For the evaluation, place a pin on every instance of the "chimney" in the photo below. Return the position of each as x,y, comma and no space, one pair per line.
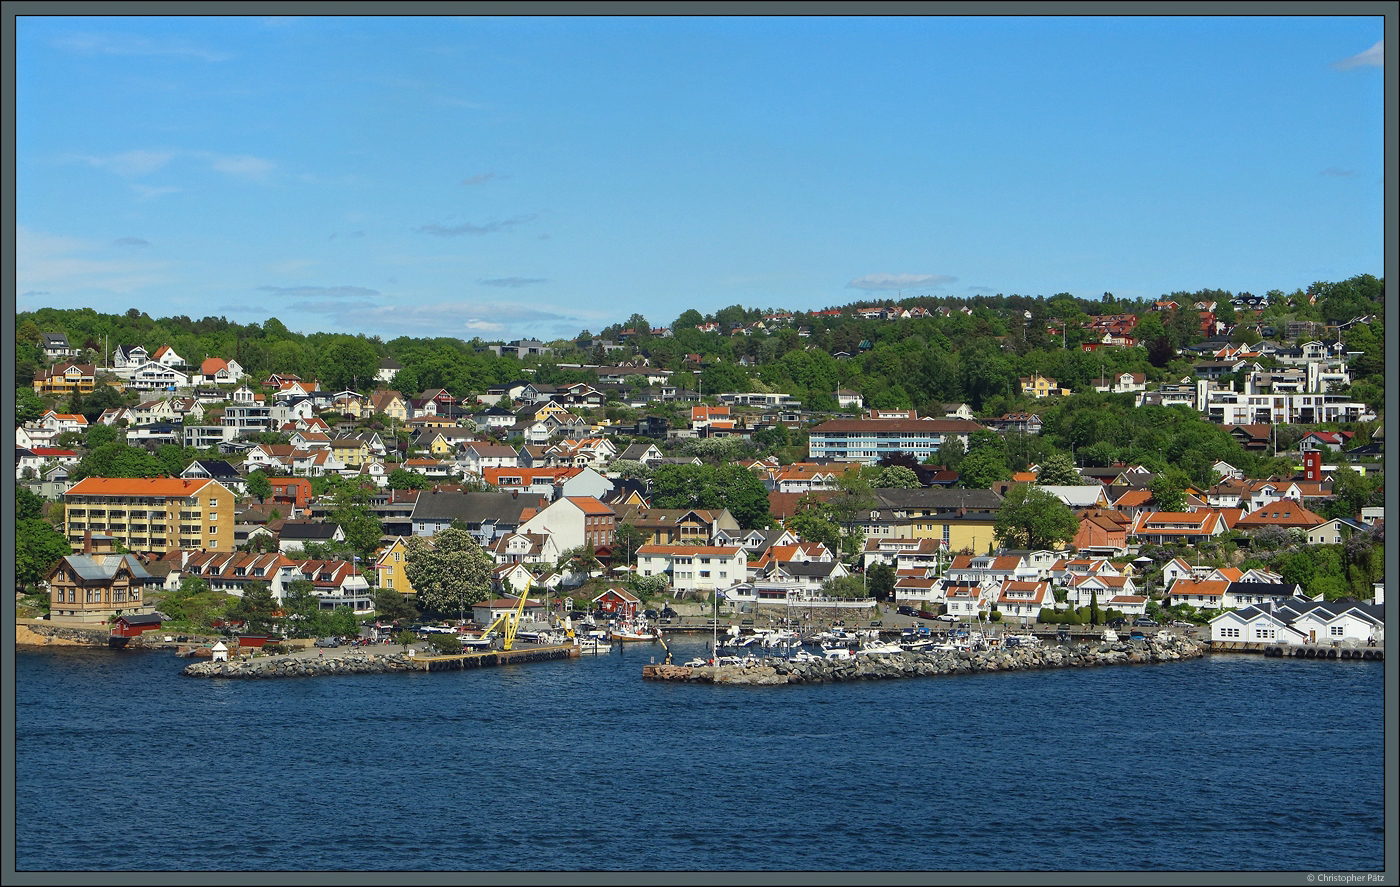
87,541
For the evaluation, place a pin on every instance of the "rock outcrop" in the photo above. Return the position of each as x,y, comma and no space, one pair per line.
886,666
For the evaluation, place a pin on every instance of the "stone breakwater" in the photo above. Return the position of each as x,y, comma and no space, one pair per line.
303,666
772,671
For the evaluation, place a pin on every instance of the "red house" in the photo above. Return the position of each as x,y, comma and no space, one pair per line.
293,491
131,626
618,601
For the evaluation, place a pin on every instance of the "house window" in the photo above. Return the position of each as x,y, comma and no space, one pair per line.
1336,631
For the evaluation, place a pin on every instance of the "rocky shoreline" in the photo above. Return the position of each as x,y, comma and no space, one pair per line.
774,671
303,666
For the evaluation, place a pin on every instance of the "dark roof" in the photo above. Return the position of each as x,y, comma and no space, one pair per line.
472,508
307,530
1280,589
218,469
937,497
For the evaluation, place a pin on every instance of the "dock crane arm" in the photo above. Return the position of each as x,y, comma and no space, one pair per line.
508,622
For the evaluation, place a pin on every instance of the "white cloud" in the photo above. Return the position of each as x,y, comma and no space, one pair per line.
131,241
1370,58
881,281
128,44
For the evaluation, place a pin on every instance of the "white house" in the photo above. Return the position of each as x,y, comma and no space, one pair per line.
1300,621
700,568
574,521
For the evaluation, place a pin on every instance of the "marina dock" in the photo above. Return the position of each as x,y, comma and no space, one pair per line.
488,658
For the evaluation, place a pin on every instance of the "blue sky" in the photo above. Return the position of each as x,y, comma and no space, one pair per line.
504,177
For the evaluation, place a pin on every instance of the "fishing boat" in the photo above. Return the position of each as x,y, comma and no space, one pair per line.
633,631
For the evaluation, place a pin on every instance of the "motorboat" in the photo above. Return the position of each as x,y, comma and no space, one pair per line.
593,645
879,648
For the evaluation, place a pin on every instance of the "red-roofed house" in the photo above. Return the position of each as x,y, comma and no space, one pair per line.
217,371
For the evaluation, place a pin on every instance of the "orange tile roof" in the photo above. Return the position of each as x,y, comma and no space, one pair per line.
139,486
589,505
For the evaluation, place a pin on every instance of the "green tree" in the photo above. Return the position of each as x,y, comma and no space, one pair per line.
255,608
880,579
812,521
983,467
626,540
848,587
897,477
300,608
744,495
361,527
116,460
403,479
347,362
1058,471
28,406
258,484
451,574
391,606
1350,493
1033,518
38,546
1168,493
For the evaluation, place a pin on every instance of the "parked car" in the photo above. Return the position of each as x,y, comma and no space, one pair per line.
1144,621
650,614
905,610
327,642
668,613
1117,623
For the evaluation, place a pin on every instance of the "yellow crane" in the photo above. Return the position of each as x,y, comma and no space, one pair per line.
509,622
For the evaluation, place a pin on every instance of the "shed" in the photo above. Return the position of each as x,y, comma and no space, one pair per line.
220,653
130,626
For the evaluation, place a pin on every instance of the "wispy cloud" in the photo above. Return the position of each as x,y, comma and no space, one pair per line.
131,241
478,179
899,281
241,165
512,281
1370,58
56,264
130,164
1339,173
130,44
327,292
134,164
469,228
148,192
290,266
981,289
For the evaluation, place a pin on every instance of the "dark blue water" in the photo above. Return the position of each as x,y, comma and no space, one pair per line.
1233,763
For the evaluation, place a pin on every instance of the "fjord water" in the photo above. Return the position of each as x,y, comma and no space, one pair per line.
1234,763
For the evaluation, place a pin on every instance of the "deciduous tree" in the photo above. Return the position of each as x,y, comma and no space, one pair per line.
1033,518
